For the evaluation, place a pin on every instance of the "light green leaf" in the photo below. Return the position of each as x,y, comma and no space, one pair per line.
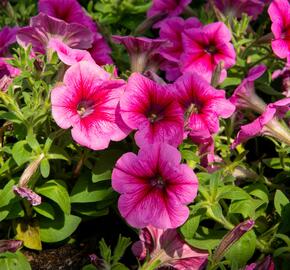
280,200
45,168
45,209
22,153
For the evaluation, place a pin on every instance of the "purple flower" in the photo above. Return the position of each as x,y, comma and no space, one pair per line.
10,245
245,96
43,28
155,188
7,37
27,193
265,264
267,124
7,73
169,248
285,75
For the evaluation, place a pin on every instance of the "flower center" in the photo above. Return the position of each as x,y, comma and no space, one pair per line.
211,49
154,114
85,108
157,182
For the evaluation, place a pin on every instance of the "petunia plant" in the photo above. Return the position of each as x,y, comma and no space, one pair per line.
162,126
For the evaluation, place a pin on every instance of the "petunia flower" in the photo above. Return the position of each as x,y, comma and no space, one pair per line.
285,75
7,37
141,50
43,28
155,188
87,102
205,47
168,247
7,73
28,194
10,245
235,8
245,96
202,105
171,30
71,11
267,124
171,8
279,12
266,264
68,55
152,110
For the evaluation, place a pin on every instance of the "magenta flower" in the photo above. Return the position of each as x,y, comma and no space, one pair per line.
152,110
245,96
205,47
71,11
87,102
235,8
267,124
285,75
7,37
267,263
43,28
10,245
279,11
140,49
171,30
169,248
202,105
155,188
170,7
28,194
68,55
7,73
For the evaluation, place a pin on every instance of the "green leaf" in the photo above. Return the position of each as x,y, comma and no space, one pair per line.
243,249
55,190
89,209
244,207
33,143
13,261
21,153
7,194
275,163
45,168
232,193
105,251
119,266
45,209
280,200
122,244
188,229
85,191
89,267
58,229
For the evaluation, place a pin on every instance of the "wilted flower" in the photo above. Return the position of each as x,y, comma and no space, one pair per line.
267,124
279,11
155,188
245,96
265,264
10,245
68,55
235,8
43,28
7,73
87,102
202,105
205,47
152,110
171,30
285,76
27,193
168,247
7,37
140,49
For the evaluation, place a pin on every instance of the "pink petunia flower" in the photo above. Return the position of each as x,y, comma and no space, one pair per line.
43,28
71,11
140,49
7,73
171,30
169,248
285,75
235,8
153,111
171,8
87,102
267,124
155,188
205,47
10,245
68,55
28,194
202,105
7,37
245,96
279,11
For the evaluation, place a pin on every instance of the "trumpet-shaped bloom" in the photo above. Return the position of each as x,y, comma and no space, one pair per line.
71,11
43,28
245,95
205,47
170,249
7,37
267,124
202,105
279,11
152,110
155,188
235,8
68,55
87,102
171,30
